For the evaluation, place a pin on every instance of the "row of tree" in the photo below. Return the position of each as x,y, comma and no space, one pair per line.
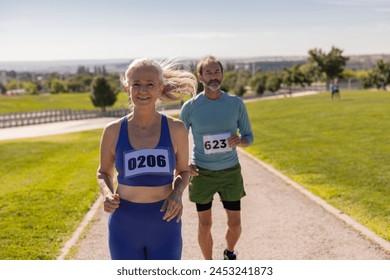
324,67
320,67
54,83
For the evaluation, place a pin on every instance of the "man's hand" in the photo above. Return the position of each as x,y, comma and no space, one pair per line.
193,170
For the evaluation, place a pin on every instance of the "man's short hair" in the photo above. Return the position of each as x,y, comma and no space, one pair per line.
206,60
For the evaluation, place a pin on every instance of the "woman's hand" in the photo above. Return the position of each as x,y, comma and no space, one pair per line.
111,203
173,206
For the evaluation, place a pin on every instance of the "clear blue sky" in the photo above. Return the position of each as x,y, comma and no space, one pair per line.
79,29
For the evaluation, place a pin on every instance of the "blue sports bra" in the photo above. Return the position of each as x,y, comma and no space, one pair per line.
145,167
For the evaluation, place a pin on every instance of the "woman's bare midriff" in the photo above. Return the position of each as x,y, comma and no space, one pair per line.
142,194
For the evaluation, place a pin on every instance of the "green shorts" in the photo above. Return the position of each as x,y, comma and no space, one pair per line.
227,182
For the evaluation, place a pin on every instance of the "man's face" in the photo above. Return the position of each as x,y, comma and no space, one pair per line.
211,76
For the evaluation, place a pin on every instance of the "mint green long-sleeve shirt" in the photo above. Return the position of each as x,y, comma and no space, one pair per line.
211,123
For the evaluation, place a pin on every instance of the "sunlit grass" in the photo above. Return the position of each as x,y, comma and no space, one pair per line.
73,101
48,185
339,149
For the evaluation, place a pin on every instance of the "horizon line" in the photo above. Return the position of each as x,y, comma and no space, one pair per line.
183,57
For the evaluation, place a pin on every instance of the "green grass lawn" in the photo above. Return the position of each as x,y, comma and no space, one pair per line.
74,101
339,149
48,185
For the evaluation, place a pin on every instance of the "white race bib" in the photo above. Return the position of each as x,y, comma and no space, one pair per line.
146,161
216,143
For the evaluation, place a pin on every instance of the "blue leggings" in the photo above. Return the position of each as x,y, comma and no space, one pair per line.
136,231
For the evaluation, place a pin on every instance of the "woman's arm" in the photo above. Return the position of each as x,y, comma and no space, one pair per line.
105,172
173,205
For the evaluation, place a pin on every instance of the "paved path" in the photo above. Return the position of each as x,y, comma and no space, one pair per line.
281,220
52,128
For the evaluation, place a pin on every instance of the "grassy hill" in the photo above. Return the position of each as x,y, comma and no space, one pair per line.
339,149
73,101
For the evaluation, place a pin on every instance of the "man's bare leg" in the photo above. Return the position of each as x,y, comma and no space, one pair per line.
205,239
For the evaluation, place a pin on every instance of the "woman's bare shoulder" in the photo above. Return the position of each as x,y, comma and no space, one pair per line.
112,128
178,132
175,123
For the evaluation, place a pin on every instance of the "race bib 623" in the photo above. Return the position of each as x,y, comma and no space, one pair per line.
216,143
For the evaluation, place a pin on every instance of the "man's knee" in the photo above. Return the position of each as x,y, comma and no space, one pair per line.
234,224
205,220
234,220
205,225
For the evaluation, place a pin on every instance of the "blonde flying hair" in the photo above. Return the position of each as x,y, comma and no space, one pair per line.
175,77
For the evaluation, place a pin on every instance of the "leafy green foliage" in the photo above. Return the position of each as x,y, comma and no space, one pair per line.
379,76
57,86
258,83
331,64
274,81
294,76
229,80
102,95
30,87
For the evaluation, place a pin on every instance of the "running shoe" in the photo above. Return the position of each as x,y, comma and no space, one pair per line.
229,255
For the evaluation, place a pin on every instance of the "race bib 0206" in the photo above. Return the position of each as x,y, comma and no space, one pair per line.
216,143
146,161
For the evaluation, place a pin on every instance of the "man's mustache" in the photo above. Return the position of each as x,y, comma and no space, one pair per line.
215,81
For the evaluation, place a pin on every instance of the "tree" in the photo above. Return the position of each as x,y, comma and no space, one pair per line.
79,83
258,83
379,76
13,84
239,90
102,94
331,64
82,70
294,76
243,79
30,87
273,82
311,73
229,80
3,90
57,86
236,81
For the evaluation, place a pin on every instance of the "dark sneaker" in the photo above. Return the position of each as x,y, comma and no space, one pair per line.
227,255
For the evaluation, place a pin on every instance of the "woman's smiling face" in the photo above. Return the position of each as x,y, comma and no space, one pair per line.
145,86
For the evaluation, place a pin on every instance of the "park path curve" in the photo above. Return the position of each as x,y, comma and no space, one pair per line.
281,220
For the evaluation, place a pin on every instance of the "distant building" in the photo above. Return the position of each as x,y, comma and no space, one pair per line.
15,92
